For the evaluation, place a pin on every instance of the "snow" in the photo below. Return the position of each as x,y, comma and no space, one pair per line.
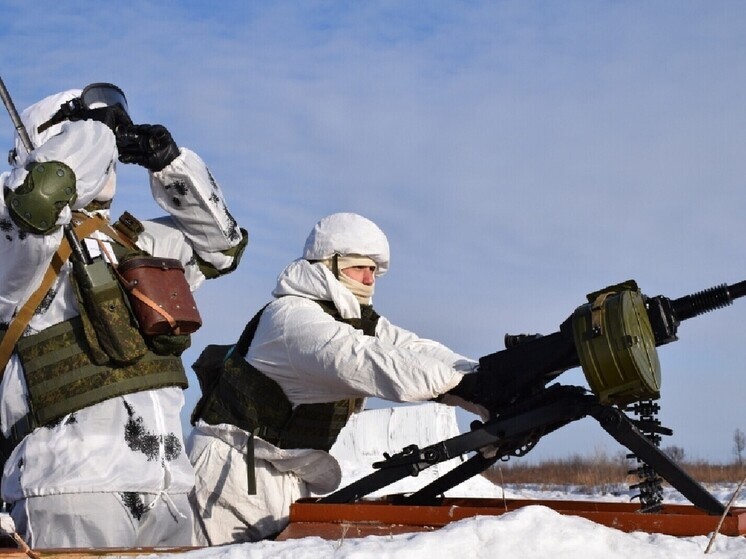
531,532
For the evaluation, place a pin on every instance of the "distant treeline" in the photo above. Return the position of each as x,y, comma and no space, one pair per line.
604,473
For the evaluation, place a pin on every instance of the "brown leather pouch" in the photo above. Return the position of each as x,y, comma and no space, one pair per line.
160,295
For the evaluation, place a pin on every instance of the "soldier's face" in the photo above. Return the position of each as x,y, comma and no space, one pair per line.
363,274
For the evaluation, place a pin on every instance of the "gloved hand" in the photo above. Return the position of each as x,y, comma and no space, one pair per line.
113,117
456,401
477,393
149,145
481,388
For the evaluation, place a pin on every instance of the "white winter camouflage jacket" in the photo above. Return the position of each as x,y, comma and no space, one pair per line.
128,443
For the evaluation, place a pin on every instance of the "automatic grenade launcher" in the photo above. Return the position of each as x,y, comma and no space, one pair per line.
613,337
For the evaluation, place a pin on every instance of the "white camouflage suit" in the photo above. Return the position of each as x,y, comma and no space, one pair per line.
314,358
114,474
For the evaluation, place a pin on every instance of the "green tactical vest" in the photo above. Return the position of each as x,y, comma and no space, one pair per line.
235,392
62,377
71,365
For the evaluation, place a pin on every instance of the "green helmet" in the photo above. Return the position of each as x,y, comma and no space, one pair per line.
38,202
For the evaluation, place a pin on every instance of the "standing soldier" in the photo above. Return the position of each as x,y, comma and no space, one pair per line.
93,386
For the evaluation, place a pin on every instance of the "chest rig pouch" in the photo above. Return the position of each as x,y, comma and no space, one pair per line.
159,295
111,329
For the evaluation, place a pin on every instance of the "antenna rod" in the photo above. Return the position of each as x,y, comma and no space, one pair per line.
20,128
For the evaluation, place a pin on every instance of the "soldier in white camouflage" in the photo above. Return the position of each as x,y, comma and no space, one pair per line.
91,415
271,412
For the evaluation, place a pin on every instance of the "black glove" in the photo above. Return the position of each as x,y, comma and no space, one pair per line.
114,117
149,145
482,388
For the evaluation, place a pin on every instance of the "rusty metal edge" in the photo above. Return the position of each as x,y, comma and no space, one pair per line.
384,517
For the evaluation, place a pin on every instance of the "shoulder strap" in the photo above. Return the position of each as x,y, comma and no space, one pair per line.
114,233
242,346
367,322
23,316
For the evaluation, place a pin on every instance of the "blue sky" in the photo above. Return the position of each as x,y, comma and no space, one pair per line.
519,155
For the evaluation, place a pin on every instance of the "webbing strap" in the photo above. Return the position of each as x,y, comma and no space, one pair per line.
24,315
244,341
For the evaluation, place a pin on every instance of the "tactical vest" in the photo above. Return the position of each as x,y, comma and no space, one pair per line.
62,377
237,393
69,366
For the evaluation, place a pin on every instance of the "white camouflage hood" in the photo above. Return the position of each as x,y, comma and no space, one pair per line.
39,113
315,281
346,234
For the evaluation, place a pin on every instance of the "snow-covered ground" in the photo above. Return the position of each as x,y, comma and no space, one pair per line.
532,532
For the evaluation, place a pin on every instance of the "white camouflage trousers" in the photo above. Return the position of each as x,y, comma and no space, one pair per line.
225,512
97,520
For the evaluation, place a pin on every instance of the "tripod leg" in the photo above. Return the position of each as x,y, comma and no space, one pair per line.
429,494
621,428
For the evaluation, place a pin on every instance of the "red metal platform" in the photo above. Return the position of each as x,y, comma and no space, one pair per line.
383,517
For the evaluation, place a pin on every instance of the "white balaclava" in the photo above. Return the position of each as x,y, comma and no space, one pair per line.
353,239
39,113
